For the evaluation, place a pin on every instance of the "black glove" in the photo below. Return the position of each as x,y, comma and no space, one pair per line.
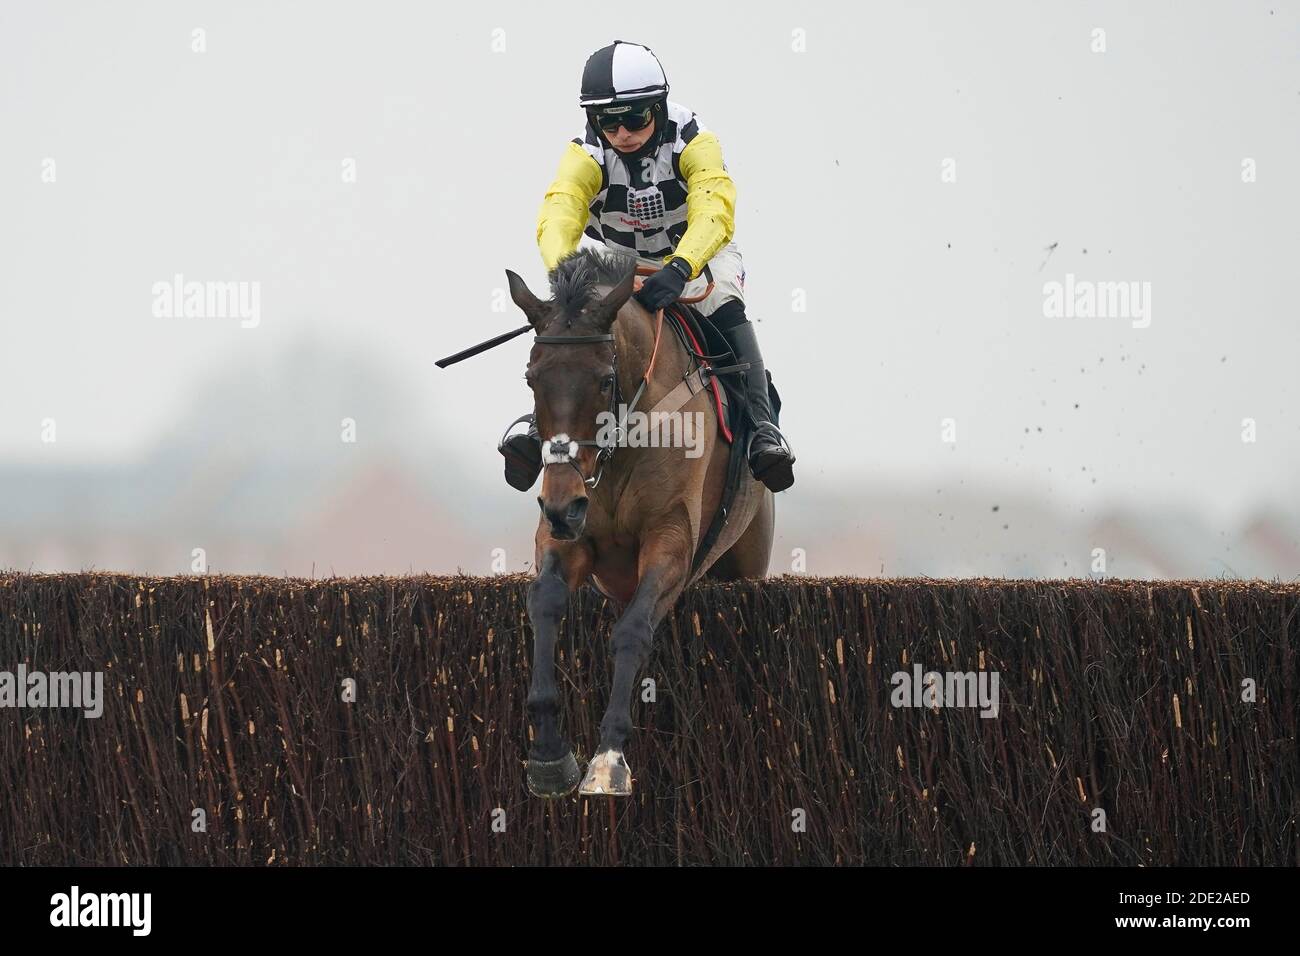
665,286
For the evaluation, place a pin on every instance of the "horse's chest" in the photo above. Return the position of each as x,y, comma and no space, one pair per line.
615,569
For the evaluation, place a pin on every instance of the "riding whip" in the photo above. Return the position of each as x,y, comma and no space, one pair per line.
481,347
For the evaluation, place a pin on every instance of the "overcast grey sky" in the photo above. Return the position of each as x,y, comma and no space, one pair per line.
924,298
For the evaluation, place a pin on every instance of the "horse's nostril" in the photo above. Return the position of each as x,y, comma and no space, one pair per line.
577,509
541,504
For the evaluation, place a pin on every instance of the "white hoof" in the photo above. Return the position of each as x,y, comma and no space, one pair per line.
607,775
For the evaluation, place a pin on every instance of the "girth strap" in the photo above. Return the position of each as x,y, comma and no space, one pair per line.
692,385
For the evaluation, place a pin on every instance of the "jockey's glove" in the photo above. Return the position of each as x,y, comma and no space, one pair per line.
665,286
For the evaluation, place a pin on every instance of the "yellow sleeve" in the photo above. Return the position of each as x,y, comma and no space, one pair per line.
565,209
710,202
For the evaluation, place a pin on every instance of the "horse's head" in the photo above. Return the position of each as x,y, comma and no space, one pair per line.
572,373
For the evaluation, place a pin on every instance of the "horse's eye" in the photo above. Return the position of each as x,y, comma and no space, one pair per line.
607,383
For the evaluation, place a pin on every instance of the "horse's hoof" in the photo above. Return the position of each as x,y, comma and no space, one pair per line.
607,775
553,778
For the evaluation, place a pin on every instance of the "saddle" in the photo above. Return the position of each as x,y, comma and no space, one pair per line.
709,347
690,327
710,350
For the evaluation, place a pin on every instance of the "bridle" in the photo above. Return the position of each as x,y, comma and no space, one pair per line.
560,449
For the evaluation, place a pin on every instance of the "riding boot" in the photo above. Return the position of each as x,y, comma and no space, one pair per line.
770,458
523,454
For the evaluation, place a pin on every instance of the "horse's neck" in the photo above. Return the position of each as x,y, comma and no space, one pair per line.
634,341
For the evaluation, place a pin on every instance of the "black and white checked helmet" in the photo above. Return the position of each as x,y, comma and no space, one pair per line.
622,72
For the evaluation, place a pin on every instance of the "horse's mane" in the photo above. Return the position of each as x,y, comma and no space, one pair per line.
575,277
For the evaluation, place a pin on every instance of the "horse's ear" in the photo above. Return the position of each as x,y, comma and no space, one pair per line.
615,299
523,297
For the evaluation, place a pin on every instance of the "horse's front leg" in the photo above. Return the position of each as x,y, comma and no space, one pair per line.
663,566
552,769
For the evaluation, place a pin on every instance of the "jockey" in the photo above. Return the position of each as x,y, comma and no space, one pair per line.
647,179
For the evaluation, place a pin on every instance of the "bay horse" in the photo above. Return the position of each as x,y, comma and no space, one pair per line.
627,521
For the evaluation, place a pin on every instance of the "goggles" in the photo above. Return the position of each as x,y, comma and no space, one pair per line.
630,118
